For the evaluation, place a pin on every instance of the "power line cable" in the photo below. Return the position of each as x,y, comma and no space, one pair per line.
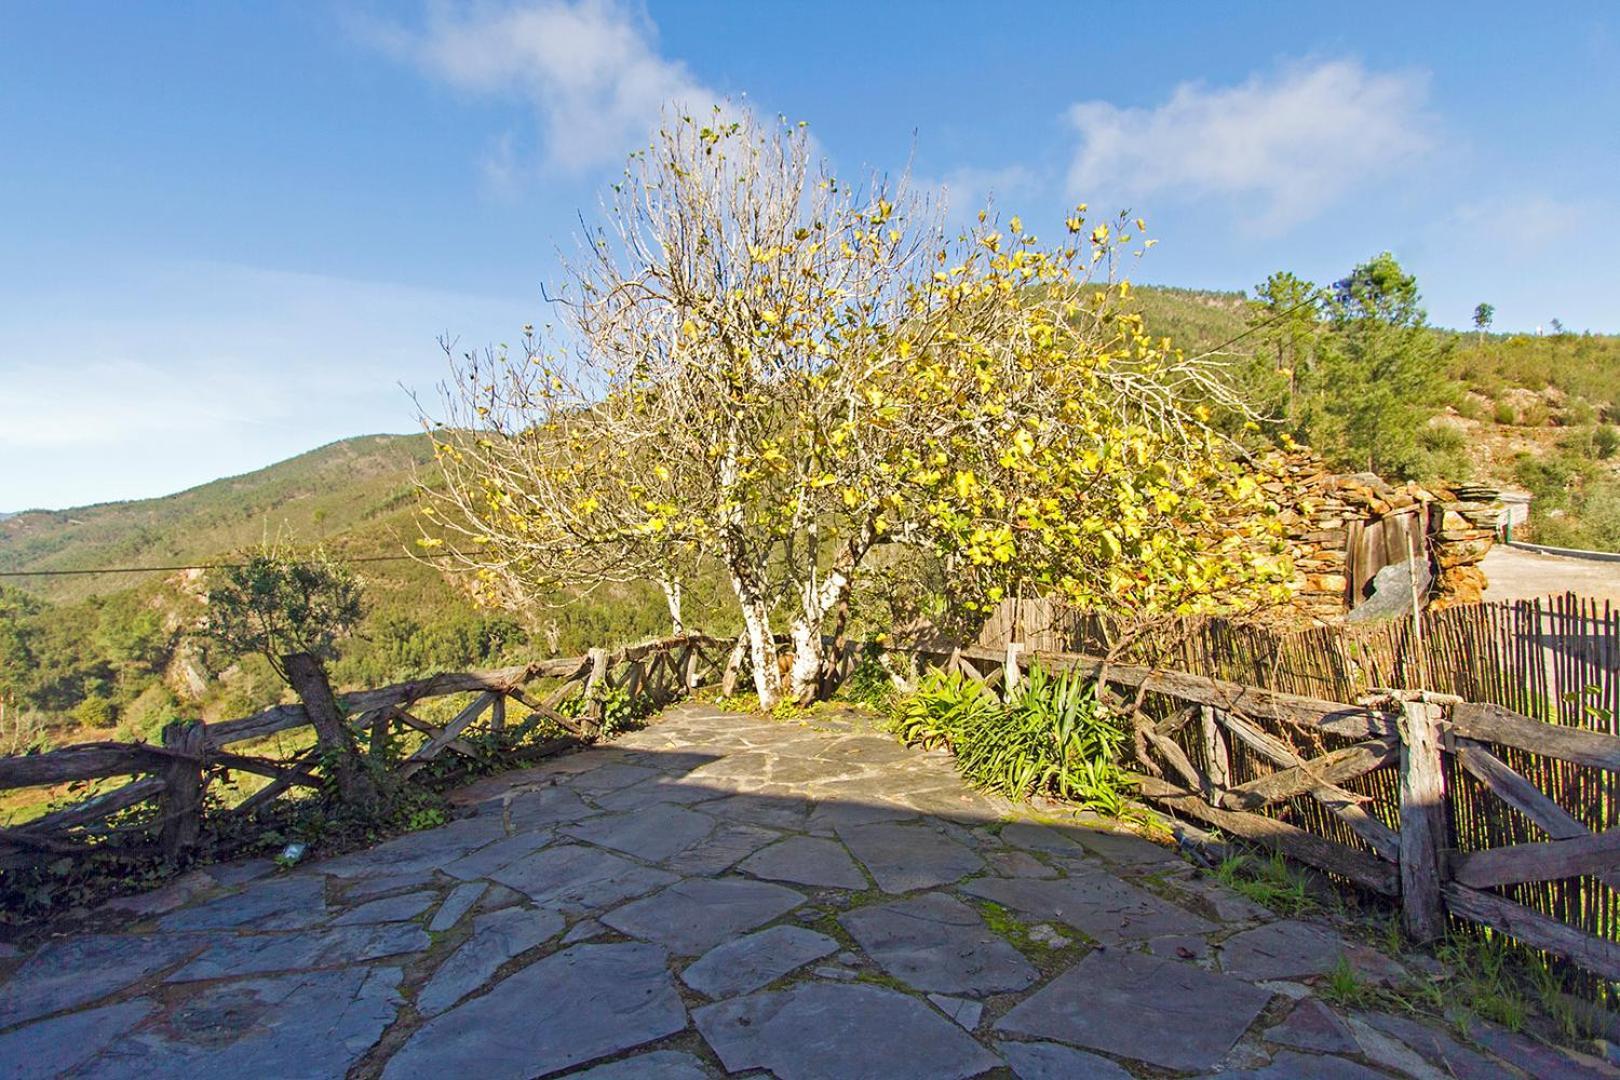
1281,315
205,566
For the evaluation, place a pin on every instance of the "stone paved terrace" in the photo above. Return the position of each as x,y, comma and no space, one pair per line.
721,894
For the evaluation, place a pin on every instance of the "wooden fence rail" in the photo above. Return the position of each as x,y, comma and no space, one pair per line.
1368,792
176,774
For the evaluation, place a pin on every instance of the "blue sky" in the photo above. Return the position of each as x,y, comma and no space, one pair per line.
234,231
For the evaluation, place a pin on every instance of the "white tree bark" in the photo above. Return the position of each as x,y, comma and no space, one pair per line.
672,597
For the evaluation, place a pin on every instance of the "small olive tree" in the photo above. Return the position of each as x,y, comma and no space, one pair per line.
292,609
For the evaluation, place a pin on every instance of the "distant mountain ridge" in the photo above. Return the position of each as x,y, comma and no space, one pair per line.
357,489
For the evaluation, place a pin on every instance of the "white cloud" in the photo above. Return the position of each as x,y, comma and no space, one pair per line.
1516,224
590,69
1285,147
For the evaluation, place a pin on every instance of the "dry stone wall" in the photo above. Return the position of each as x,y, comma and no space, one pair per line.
1343,528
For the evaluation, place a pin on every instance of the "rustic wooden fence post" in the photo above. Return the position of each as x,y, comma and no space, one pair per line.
181,804
599,666
1423,820
1010,675
309,682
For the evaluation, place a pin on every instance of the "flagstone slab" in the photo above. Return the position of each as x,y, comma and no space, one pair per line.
1314,1026
389,909
962,1010
722,849
55,1047
1292,1065
278,904
903,858
653,835
693,916
537,809
1054,1061
771,811
575,1006
822,1031
419,851
1436,1047
660,791
1163,1012
806,860
836,809
370,888
496,938
611,777
1122,849
491,857
1097,904
1032,836
580,880
79,970
748,963
1018,864
457,904
257,954
306,1025
657,1065
935,942
1287,949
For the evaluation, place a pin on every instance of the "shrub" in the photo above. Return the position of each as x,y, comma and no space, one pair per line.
1053,737
1505,413
1579,413
1605,442
96,711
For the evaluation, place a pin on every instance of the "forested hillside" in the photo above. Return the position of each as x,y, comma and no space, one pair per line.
116,655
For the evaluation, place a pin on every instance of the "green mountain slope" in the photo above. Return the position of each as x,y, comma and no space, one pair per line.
358,489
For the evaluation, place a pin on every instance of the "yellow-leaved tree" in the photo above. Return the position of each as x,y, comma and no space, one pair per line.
771,372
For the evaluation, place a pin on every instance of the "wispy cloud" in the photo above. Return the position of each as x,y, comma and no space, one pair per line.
1284,147
590,69
1517,224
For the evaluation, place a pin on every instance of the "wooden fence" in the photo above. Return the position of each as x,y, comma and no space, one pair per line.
1468,764
175,775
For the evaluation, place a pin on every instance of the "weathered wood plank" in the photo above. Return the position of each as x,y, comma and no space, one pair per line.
1296,843
275,770
1495,724
97,807
1516,791
183,781
1549,860
1327,770
459,745
1344,805
283,717
1535,929
436,743
89,761
1220,768
1423,821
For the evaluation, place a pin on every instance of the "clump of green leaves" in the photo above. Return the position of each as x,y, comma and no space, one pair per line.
616,710
1052,737
869,683
1269,882
276,601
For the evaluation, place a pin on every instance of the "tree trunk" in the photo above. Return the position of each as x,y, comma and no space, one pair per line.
761,644
308,679
817,598
672,597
